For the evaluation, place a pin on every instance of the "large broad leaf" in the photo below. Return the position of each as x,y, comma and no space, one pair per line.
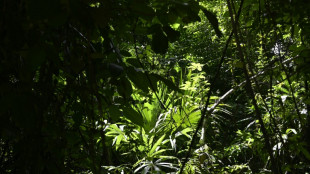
159,42
214,22
139,79
132,115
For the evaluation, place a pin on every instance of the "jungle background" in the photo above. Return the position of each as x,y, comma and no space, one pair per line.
154,86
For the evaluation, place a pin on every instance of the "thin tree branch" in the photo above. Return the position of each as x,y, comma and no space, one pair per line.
223,97
206,114
274,167
204,111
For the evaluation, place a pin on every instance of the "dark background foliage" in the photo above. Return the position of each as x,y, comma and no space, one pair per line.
98,86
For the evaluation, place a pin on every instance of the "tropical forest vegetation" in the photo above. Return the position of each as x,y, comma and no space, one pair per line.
154,86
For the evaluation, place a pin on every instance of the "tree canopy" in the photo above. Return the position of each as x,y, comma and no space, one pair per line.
153,86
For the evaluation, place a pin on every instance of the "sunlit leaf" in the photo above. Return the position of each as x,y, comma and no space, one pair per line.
158,142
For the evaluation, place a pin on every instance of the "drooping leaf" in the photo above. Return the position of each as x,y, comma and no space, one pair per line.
139,79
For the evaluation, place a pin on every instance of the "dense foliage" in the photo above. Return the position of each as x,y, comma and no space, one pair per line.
153,86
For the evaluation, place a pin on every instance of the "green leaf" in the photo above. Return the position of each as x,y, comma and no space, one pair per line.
138,162
118,140
133,115
156,145
214,22
184,132
158,152
288,131
138,78
167,157
114,130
